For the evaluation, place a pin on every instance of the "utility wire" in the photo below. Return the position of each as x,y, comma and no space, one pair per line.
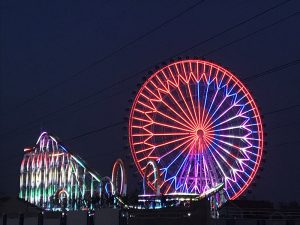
143,36
234,27
116,124
294,123
95,131
122,122
208,53
249,78
281,109
108,56
252,33
281,67
274,69
285,143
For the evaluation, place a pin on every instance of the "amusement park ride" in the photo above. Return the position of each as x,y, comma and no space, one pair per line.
55,179
195,132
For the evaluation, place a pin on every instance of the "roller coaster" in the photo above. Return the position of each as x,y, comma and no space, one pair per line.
53,178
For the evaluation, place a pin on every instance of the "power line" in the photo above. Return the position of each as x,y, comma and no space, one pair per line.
282,144
295,123
253,33
62,109
148,68
87,133
95,131
108,56
234,26
146,34
282,109
122,122
272,70
275,69
249,78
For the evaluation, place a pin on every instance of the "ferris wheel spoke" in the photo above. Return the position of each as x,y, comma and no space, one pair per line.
231,128
160,100
184,160
211,104
141,119
233,171
182,110
227,110
170,118
228,180
229,119
177,157
187,106
169,183
217,162
185,124
175,148
221,156
234,157
228,94
240,149
242,179
159,134
249,167
175,78
208,82
196,171
186,179
206,173
244,138
182,167
161,145
210,118
160,124
213,172
145,105
190,121
193,105
198,102
190,118
168,126
249,152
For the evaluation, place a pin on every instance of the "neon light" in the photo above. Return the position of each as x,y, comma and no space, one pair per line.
120,185
156,179
105,181
27,149
201,126
51,170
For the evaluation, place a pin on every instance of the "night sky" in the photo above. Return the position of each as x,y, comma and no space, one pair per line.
55,56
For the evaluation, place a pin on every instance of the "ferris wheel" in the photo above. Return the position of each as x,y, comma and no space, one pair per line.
201,126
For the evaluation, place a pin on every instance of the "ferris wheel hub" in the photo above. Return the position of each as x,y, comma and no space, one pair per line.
200,134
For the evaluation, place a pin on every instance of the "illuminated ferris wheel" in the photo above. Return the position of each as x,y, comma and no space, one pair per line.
201,126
